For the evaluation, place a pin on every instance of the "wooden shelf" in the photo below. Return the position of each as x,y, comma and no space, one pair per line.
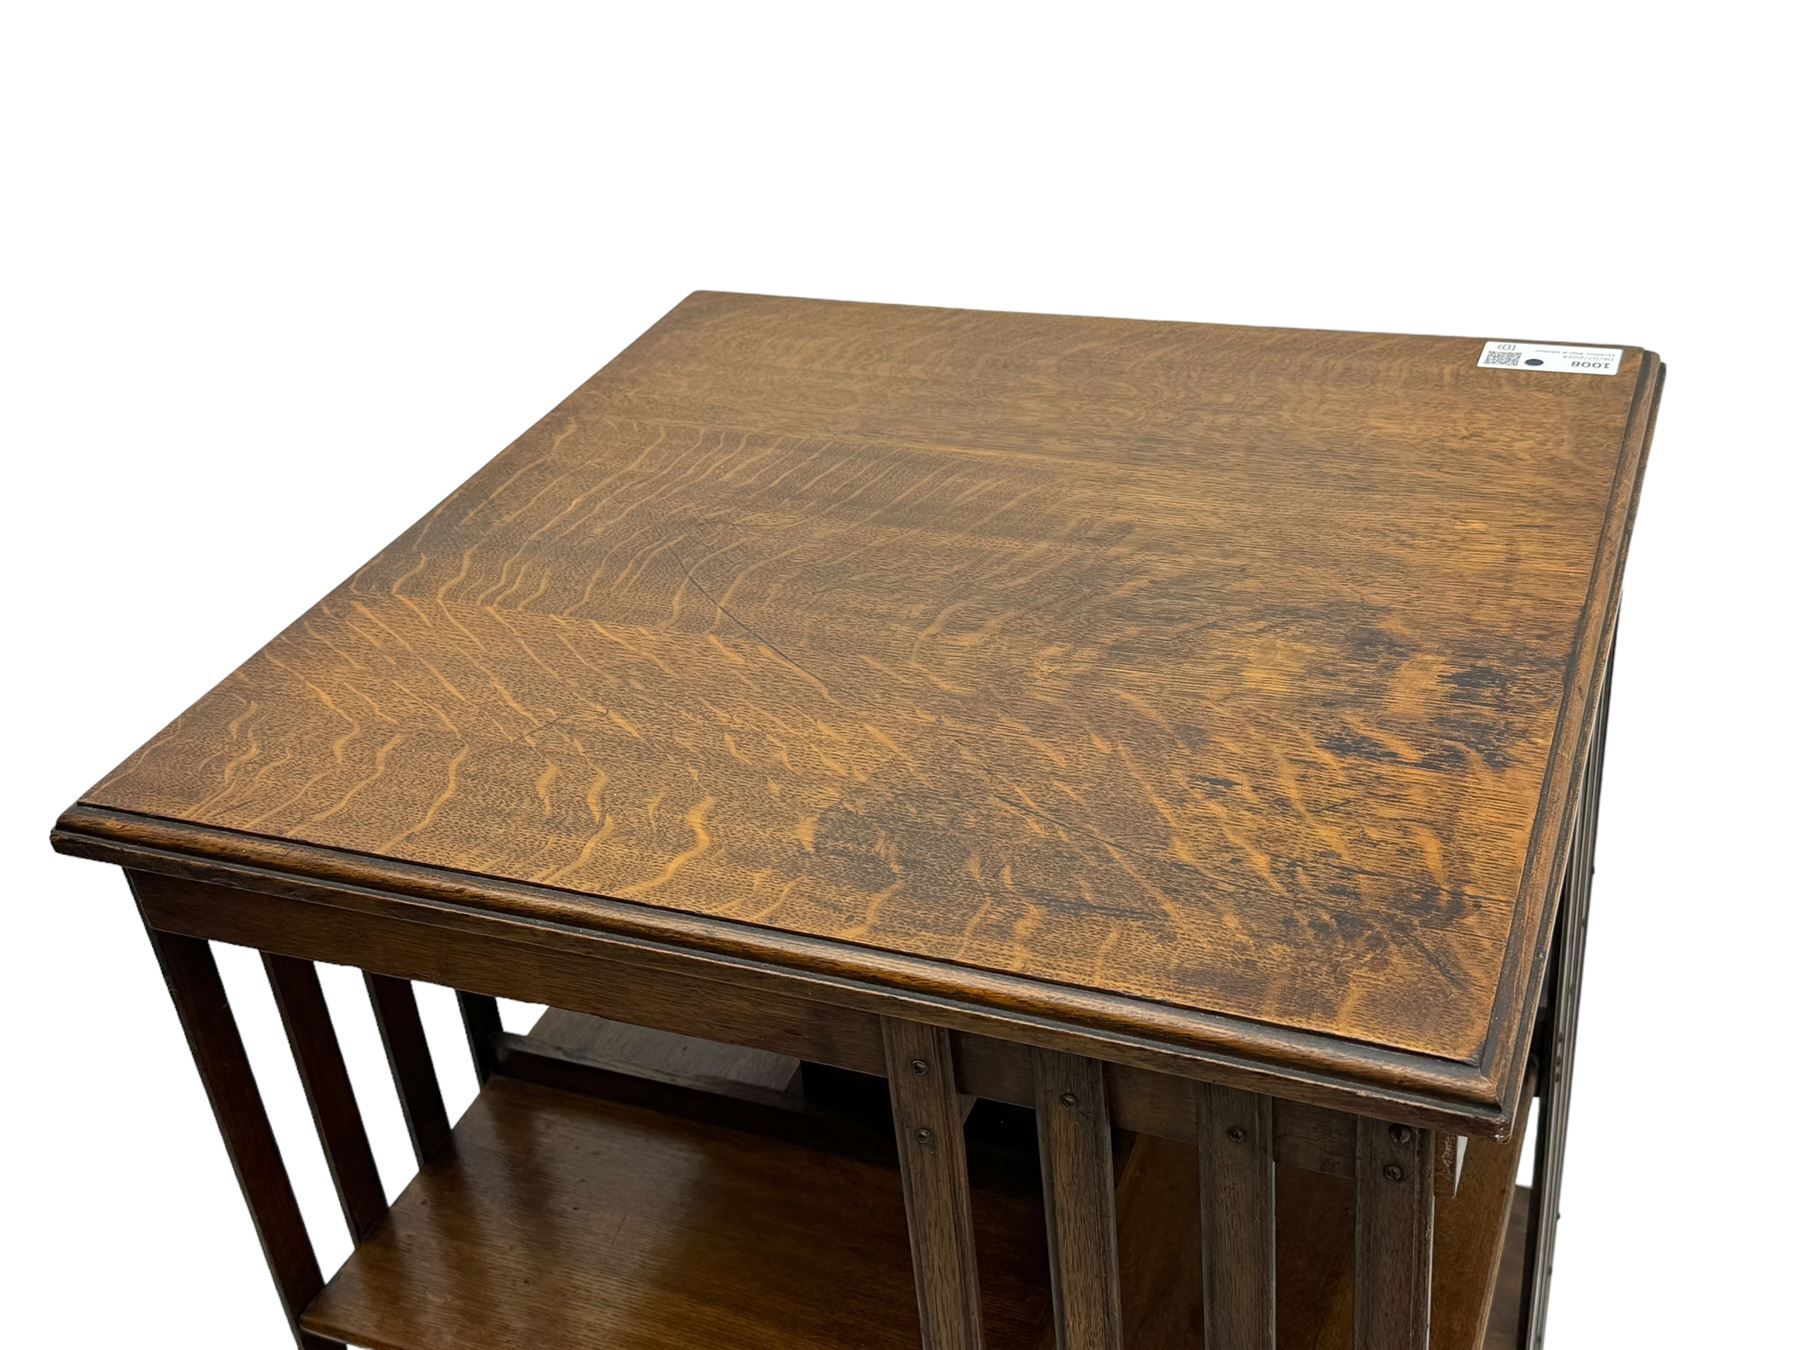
562,1220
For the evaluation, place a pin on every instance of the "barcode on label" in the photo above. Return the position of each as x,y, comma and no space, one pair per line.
1542,356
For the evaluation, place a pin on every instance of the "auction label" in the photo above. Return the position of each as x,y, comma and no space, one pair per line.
1537,356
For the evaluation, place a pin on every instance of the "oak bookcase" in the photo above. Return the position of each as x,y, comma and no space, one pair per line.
1033,832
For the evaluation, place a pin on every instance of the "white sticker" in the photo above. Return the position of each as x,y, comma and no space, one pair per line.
1538,356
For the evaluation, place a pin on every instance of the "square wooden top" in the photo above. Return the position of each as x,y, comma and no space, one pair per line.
1217,687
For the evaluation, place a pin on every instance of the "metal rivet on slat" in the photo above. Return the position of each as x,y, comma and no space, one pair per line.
1400,1134
1394,1172
1069,1100
1236,1134
926,1137
920,1067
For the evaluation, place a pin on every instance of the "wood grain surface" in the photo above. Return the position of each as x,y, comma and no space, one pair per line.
1075,1154
1237,672
1237,1218
1392,1261
1163,1249
934,1173
559,1220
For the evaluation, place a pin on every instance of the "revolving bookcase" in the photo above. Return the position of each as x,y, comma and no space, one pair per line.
1030,831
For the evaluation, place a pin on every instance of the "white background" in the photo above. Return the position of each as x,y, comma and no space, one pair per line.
277,278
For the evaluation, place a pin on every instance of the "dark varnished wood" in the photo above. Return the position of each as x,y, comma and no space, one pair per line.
643,993
1075,1152
694,1080
1393,1240
934,1170
307,1021
1177,730
693,1061
557,1220
415,896
1305,1136
1161,1253
205,1012
1237,1218
1219,690
1503,1328
409,1057
1471,1235
755,1022
1562,997
440,938
481,1023
1469,1232
650,1082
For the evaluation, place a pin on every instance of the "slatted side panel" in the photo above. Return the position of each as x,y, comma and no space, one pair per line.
219,1055
201,1003
1568,957
934,1170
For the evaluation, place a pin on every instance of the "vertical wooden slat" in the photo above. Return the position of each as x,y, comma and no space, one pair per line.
1237,1218
1075,1154
1546,1169
934,1172
481,1021
329,1093
200,1001
409,1056
1568,956
1394,1215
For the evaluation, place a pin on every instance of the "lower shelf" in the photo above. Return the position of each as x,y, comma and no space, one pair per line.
559,1220
564,1219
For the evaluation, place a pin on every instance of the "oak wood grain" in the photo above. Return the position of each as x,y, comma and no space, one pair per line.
396,1011
1240,673
560,1220
1562,1006
481,1024
934,1173
1074,1130
1395,1214
306,1018
201,1003
1473,1284
1504,1321
1237,1218
1474,1301
768,1032
442,929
